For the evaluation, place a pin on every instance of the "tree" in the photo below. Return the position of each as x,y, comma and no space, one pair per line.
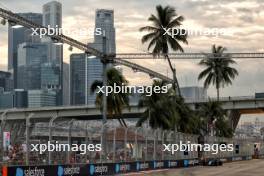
115,101
218,71
160,40
188,120
160,111
213,115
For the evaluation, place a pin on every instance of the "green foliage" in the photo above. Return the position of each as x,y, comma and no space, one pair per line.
167,111
115,101
159,41
166,17
217,69
212,114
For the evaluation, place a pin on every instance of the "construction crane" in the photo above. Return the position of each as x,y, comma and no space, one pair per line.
18,20
119,58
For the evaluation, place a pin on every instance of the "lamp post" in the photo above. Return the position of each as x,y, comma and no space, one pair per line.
104,61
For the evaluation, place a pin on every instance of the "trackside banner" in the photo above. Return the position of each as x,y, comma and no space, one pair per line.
94,169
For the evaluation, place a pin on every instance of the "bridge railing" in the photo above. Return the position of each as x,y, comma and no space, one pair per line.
221,99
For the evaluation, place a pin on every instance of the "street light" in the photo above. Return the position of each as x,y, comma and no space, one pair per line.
70,48
57,42
91,57
14,25
3,21
17,26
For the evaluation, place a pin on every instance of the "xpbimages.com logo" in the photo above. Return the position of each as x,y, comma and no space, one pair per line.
189,147
59,147
147,90
214,32
51,31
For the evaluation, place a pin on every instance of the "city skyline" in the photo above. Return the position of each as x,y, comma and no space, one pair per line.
128,19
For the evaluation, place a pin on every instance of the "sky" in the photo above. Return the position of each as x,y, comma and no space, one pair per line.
245,18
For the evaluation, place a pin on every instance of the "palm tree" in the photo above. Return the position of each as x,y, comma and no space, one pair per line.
166,18
159,109
212,114
218,71
188,120
162,111
115,101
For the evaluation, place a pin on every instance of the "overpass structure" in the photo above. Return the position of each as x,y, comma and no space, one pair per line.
236,106
82,112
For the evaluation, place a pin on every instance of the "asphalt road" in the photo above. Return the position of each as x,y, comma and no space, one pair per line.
240,168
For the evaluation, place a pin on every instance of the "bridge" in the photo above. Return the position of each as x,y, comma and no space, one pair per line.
82,112
236,106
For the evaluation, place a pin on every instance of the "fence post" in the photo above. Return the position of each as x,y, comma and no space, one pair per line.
154,144
103,137
146,145
2,126
27,137
125,145
136,143
171,142
162,153
114,145
53,118
69,140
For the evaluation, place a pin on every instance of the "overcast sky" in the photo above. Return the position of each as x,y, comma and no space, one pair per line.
245,18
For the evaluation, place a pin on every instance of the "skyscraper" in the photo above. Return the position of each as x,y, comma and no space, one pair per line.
30,58
50,76
52,14
16,37
104,19
41,98
6,81
16,98
84,70
78,78
66,84
52,17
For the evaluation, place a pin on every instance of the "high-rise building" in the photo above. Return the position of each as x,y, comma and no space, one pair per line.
194,93
52,17
16,98
52,14
84,70
66,84
104,20
78,78
30,58
50,76
94,72
5,81
50,79
41,98
17,36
